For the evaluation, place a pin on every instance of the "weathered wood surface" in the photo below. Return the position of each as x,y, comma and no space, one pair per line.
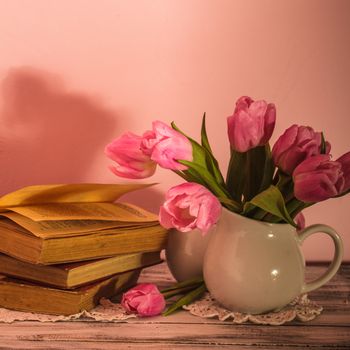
331,330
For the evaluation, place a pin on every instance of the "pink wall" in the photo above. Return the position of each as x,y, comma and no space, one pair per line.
76,74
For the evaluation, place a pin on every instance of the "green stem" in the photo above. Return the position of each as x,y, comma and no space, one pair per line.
187,283
258,213
183,290
293,204
235,177
272,219
230,204
285,185
189,177
185,300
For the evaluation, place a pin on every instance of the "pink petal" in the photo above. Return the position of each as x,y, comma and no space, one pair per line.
344,160
269,123
311,164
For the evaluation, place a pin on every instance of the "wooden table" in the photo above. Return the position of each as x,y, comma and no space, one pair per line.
331,330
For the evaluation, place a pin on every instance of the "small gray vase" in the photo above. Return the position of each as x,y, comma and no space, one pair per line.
185,253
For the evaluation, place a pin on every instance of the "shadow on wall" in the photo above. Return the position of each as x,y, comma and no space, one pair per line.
148,198
48,134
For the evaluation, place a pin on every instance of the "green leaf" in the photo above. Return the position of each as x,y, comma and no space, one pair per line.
271,200
294,206
204,136
249,173
211,161
283,179
230,202
202,156
235,178
248,208
268,168
185,300
252,211
203,173
190,176
285,185
258,171
199,158
209,180
213,167
197,150
185,176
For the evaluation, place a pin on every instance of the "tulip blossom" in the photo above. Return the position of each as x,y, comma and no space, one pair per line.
318,178
344,160
189,206
131,162
144,300
295,145
165,146
300,221
251,124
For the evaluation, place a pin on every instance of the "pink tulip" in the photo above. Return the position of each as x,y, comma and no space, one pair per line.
165,146
189,206
295,145
300,221
144,300
344,160
251,124
318,178
132,163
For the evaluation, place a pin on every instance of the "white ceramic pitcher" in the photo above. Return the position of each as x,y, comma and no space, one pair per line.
253,267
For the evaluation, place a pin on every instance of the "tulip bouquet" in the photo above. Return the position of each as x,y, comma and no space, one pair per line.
263,184
273,186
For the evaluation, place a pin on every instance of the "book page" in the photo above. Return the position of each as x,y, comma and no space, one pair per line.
86,211
64,227
67,193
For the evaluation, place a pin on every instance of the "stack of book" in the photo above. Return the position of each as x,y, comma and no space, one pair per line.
63,247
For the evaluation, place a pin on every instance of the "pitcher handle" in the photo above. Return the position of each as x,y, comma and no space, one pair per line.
337,258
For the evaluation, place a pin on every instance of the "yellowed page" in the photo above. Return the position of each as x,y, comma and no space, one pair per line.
86,211
109,231
67,193
63,227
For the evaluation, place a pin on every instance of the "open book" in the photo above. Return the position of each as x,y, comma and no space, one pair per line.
54,224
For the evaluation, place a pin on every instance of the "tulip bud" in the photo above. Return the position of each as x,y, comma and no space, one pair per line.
189,206
295,145
165,146
251,124
144,300
132,163
318,178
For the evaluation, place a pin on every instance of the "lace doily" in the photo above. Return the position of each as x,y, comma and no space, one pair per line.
302,309
105,312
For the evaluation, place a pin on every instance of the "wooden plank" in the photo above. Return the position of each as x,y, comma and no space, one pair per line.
205,334
44,345
128,346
